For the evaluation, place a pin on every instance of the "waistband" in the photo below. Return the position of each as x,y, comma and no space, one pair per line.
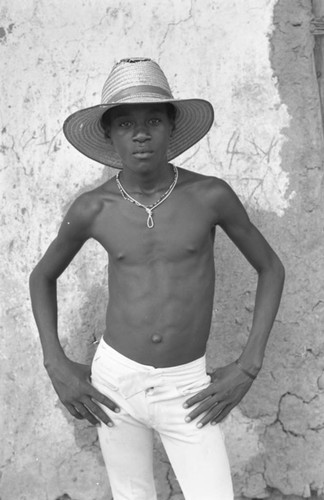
191,367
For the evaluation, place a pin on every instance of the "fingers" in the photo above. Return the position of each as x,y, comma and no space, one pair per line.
215,412
99,413
80,412
73,411
213,407
215,415
210,407
203,407
222,414
87,408
98,396
82,409
200,396
90,411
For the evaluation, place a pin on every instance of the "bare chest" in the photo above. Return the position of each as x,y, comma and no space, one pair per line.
179,230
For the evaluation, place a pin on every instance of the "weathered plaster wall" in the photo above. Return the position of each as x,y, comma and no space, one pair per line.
254,60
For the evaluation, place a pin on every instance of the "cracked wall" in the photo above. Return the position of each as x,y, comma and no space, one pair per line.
254,60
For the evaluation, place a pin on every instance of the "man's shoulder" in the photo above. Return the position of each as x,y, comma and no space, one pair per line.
206,183
90,203
213,193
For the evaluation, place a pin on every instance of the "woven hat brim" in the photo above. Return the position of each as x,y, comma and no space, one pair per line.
84,131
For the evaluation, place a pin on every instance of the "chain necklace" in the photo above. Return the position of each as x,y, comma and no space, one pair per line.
148,208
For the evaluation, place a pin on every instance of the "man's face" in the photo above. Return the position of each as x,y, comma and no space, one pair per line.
140,134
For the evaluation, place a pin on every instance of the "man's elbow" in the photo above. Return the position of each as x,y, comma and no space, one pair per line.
277,269
273,267
39,276
35,273
34,278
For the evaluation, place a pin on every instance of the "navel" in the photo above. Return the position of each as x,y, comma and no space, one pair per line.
156,339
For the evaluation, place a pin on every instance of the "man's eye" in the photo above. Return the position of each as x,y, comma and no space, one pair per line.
154,121
125,124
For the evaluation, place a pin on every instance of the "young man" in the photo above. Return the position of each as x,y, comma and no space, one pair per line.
157,223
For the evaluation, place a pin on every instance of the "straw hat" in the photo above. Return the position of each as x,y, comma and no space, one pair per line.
133,81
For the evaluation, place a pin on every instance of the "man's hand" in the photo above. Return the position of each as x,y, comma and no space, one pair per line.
71,381
228,386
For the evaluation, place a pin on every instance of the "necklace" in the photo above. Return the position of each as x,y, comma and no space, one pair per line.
148,208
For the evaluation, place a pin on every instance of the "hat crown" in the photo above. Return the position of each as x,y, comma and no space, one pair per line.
136,80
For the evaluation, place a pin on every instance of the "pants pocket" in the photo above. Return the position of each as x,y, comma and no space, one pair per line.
192,388
101,374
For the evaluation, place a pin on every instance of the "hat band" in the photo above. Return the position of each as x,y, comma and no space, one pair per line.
138,89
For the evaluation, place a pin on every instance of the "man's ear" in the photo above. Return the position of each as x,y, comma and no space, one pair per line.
109,139
111,142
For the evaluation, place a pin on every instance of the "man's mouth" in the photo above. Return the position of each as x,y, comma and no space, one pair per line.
142,154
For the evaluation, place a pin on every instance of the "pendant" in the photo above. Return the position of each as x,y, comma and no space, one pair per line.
150,221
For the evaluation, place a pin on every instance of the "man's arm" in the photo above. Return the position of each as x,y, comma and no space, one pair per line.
71,380
235,222
230,383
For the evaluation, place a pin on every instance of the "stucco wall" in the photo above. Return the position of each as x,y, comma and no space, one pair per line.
254,60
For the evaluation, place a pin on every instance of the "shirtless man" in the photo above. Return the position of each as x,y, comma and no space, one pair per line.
157,222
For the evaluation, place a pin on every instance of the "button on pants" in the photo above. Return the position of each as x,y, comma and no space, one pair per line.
151,399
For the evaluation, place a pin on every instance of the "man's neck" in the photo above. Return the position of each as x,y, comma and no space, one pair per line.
147,182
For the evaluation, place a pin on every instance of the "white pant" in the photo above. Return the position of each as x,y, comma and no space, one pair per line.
151,399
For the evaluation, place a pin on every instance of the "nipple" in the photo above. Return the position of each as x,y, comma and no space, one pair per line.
156,338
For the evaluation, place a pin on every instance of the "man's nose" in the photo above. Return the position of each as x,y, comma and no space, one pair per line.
141,132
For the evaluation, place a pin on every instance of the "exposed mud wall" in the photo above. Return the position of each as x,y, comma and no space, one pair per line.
254,60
